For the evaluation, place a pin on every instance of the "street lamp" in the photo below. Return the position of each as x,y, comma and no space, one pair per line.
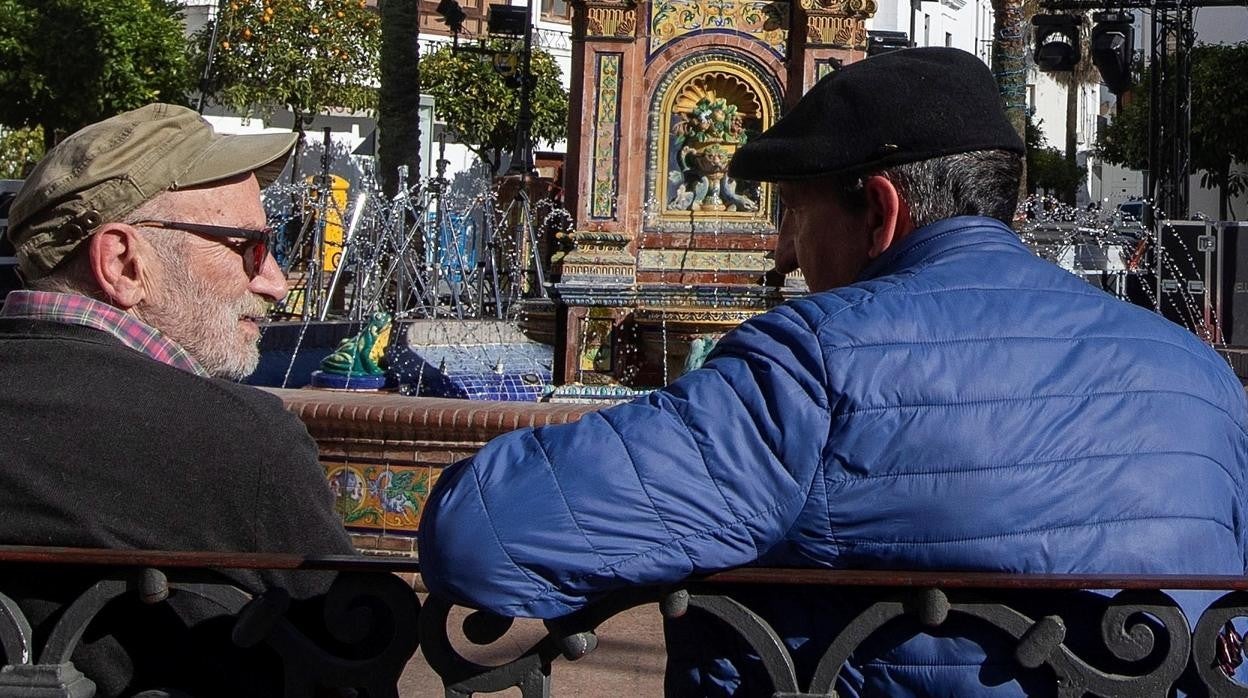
509,20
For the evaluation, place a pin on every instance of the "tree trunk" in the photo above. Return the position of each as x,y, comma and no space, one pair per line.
398,108
52,136
493,158
1073,90
1009,67
1224,185
294,154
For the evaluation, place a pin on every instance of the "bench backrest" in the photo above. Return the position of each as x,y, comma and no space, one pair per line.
374,622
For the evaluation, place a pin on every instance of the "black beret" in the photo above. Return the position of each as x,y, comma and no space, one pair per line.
891,109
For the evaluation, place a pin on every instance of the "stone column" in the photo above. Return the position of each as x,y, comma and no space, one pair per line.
607,65
600,178
835,34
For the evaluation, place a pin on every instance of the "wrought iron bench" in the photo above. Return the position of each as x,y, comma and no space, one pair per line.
925,599
370,618
376,622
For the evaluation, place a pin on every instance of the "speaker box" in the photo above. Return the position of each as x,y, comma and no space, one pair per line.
1234,284
1201,279
1188,276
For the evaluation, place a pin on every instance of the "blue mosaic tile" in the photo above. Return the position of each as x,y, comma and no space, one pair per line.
513,372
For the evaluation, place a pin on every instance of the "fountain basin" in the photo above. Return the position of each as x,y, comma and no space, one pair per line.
468,359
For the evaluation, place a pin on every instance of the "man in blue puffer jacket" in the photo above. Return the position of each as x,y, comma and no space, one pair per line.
943,399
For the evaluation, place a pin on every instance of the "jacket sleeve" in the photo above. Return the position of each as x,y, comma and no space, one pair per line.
703,475
294,511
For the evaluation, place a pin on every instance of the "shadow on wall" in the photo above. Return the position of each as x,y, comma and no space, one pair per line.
310,160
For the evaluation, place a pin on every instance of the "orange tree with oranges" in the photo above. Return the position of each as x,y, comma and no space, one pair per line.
304,55
481,104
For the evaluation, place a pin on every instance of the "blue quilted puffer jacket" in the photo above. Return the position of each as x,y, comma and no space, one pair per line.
965,405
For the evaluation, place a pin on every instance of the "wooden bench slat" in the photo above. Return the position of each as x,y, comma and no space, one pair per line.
973,580
207,560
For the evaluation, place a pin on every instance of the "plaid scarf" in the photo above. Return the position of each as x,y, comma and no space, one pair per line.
73,309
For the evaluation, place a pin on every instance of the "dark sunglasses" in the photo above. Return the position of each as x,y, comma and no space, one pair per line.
254,250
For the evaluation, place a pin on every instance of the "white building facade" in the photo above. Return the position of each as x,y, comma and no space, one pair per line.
964,24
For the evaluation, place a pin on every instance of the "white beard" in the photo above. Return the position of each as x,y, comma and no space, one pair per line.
190,312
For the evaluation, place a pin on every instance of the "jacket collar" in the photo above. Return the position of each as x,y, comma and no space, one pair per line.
932,240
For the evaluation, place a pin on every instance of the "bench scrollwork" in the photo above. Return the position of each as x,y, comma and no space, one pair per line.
373,622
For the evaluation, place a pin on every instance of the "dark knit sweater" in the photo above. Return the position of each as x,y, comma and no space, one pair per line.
104,447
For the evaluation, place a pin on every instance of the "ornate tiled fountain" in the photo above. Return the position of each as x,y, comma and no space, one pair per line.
667,248
664,250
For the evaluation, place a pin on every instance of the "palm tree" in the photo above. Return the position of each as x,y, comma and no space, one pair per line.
1010,66
1012,19
398,108
1084,73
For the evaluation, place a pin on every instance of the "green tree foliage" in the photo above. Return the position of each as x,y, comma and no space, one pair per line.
1048,168
305,55
1124,140
1219,136
67,63
20,150
1219,112
477,103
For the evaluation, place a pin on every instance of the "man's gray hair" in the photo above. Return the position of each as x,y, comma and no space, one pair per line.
979,183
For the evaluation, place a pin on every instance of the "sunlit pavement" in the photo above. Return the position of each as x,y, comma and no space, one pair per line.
628,662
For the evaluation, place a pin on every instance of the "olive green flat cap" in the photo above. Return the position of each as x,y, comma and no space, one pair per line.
108,169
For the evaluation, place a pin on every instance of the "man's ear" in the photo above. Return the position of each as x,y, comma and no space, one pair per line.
117,265
888,216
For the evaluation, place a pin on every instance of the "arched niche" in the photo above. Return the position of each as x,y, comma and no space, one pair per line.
703,108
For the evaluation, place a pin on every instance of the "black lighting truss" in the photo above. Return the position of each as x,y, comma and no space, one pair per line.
1170,92
511,21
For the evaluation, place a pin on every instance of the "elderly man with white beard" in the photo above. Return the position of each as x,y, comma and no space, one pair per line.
145,251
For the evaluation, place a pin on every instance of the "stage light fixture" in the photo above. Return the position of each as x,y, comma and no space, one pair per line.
1056,42
508,20
882,41
452,15
1113,48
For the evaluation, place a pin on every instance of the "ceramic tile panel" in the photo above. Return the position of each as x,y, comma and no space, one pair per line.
763,21
606,138
380,498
